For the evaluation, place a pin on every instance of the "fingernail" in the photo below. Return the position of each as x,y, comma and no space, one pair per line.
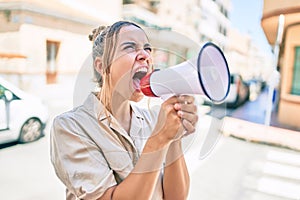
180,113
177,106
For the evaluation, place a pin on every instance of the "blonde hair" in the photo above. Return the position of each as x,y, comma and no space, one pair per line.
104,46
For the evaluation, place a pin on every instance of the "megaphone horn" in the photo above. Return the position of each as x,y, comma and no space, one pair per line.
208,75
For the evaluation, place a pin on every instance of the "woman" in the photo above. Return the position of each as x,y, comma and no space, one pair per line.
109,148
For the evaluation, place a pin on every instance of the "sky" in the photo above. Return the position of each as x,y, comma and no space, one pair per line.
246,17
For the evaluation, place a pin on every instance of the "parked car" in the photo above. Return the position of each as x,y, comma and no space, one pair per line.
255,88
238,92
23,116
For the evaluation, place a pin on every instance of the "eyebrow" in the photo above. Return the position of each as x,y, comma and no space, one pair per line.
147,45
126,43
133,43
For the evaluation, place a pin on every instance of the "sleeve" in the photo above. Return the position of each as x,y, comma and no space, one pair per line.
78,161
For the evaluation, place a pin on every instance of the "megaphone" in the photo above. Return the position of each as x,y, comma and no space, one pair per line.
208,75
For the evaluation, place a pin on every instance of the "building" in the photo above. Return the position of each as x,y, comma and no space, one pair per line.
170,45
238,50
48,40
180,28
246,58
289,56
214,23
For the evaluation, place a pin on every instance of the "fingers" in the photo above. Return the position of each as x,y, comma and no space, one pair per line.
186,99
186,104
187,111
188,121
192,118
190,108
189,127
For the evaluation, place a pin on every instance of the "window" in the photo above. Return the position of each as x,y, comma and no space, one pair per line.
128,2
222,30
52,49
154,4
5,98
296,75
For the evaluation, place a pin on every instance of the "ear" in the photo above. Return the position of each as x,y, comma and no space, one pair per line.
98,65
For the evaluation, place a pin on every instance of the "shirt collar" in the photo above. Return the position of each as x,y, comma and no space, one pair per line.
136,110
95,106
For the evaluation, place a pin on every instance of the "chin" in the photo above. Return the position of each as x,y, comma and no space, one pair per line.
137,96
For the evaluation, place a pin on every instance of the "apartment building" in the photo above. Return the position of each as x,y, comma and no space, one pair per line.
46,41
42,42
183,26
289,54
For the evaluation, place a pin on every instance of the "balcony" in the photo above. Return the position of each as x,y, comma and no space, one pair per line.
271,11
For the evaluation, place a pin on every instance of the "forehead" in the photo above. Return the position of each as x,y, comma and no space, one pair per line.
132,33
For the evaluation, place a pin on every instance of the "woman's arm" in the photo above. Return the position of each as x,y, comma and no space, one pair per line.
176,180
164,145
176,177
84,170
141,182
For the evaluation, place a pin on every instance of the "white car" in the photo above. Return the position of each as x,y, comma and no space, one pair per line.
23,116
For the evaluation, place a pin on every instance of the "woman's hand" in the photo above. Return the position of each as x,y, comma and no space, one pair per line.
177,114
187,111
168,123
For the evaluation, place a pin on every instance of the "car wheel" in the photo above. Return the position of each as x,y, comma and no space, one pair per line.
31,130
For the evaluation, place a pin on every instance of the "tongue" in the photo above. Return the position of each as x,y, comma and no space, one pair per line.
136,84
139,75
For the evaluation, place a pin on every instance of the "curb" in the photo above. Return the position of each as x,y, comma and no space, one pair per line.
259,133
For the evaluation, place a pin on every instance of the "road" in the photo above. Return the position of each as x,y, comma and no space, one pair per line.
233,169
238,170
253,111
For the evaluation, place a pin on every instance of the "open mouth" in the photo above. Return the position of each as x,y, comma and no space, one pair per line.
138,75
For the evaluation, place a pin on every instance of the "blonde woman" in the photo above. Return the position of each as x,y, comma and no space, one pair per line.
109,148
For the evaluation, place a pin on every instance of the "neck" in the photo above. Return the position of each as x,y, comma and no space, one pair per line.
121,110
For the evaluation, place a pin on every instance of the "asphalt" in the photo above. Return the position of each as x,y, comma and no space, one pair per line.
247,122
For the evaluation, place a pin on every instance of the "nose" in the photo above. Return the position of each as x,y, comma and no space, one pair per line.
143,55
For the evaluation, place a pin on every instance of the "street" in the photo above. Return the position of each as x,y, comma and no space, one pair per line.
233,169
240,60
238,170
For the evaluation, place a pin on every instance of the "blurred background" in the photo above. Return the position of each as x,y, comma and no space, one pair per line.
44,47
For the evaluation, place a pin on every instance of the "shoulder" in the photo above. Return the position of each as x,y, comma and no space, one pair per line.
82,114
66,120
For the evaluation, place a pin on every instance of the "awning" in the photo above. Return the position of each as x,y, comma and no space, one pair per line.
12,55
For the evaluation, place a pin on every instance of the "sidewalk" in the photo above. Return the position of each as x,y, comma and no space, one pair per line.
260,133
248,123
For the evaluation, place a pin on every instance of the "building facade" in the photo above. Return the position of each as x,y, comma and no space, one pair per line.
183,26
289,55
49,39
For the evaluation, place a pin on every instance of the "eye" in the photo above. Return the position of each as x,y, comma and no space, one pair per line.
129,47
148,49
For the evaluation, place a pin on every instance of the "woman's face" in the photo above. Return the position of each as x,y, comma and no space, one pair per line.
131,62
